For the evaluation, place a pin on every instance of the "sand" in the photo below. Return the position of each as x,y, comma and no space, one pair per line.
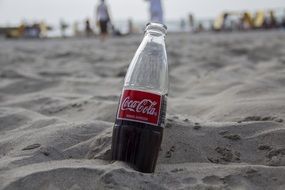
225,119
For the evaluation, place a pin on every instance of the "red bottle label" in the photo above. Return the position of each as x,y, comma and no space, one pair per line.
140,106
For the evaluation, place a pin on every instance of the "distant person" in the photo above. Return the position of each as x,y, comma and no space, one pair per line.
273,20
63,27
116,32
76,31
182,24
130,26
156,11
224,25
43,29
103,18
88,29
22,28
191,21
200,27
36,30
283,22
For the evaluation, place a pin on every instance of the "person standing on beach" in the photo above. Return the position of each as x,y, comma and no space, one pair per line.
63,26
103,18
88,29
156,11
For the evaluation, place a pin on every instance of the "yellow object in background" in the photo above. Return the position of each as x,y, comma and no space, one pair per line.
259,19
219,22
247,20
14,33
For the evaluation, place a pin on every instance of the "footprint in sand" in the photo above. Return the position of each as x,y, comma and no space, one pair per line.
225,155
31,147
233,137
212,180
189,180
276,157
170,152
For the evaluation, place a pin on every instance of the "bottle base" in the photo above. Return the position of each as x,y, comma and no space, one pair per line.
137,144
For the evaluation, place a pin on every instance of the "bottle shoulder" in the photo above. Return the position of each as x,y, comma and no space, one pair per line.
149,89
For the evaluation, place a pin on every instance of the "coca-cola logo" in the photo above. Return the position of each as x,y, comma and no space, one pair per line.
145,106
140,106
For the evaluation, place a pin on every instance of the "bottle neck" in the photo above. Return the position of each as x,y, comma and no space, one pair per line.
155,36
155,33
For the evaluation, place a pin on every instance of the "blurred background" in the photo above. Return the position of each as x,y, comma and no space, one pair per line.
54,18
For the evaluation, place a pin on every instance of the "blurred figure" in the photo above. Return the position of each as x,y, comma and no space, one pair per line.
182,24
88,29
22,28
130,26
116,31
36,31
191,21
63,26
273,20
76,31
224,24
103,18
246,21
32,31
200,27
283,21
156,12
43,29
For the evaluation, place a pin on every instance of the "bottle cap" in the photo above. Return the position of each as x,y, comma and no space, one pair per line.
156,27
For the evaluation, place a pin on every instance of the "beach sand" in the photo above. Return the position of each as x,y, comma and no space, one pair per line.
225,118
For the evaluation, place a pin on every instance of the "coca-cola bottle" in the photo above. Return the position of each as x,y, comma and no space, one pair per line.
138,130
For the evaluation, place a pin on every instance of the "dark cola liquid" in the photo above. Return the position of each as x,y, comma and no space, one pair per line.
137,143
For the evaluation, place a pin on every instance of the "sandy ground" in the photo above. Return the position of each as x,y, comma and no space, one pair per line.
225,118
